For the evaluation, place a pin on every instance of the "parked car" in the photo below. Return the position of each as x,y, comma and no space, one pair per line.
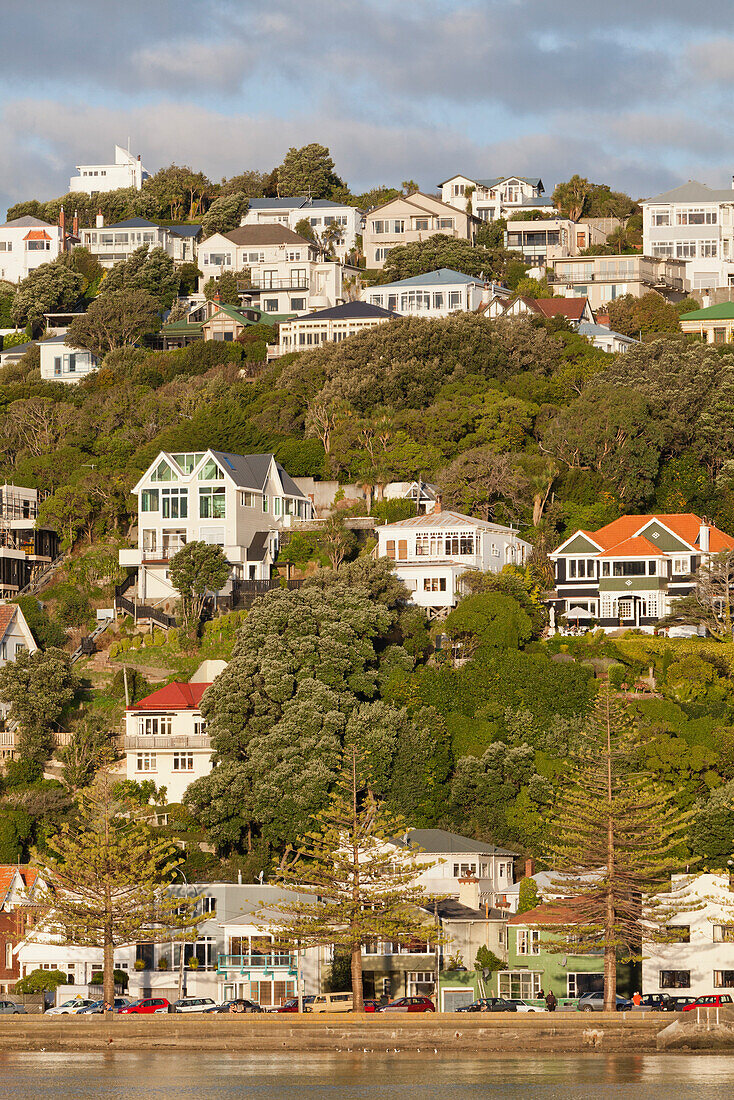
657,1002
147,1006
410,1004
523,1006
370,1005
490,1004
194,1004
10,1008
291,1005
331,1002
678,1004
710,1000
70,1008
594,1002
92,1006
239,1004
97,1008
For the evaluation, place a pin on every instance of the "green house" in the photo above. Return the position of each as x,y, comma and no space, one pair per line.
535,963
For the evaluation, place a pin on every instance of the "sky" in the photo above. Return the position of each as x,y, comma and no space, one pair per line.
633,93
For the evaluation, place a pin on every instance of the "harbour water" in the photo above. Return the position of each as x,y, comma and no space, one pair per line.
173,1075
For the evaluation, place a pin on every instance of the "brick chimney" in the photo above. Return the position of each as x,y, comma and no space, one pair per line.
529,868
438,506
99,222
75,224
62,225
469,892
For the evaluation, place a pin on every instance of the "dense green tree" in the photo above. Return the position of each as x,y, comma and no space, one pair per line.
225,213
223,803
114,320
250,184
486,621
47,289
528,896
440,250
649,315
480,480
45,632
152,271
197,570
571,197
711,833
179,190
37,686
307,171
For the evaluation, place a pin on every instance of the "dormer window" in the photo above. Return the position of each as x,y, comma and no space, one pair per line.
210,472
163,472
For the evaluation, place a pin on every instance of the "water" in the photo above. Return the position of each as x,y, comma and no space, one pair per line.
165,1076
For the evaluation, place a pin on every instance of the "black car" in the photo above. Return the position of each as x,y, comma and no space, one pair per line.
239,1004
489,1004
658,1002
677,1004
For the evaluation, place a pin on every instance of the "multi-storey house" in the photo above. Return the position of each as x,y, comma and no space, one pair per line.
453,858
631,571
412,218
550,239
127,171
25,244
110,244
602,279
693,223
18,913
431,552
534,961
491,199
25,549
331,222
238,502
434,294
61,363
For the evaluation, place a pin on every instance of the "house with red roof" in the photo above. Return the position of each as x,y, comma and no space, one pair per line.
165,734
576,311
630,572
17,914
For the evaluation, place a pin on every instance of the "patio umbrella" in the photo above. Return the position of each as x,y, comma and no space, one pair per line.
577,613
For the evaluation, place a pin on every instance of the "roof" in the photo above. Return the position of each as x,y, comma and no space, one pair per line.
135,223
451,909
265,234
18,350
586,328
635,548
258,546
445,519
439,840
26,220
184,230
693,191
572,308
724,311
534,182
8,871
7,614
297,202
251,471
685,525
175,696
37,235
443,276
360,311
548,913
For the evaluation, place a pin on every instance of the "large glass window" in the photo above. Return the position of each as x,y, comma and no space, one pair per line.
629,569
723,979
163,472
527,941
525,984
212,503
175,503
149,500
210,472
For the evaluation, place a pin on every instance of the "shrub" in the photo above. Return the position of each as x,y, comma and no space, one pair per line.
163,963
120,977
114,649
73,608
41,981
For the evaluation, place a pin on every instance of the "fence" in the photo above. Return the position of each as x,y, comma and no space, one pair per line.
141,611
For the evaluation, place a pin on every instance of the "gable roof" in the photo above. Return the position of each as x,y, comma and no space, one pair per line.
439,840
8,612
684,525
445,519
573,308
451,909
26,220
551,912
8,873
265,234
175,696
355,310
534,182
637,547
586,328
414,200
251,471
442,276
723,311
184,230
693,191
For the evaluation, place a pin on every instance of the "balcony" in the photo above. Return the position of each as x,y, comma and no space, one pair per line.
274,284
153,742
243,963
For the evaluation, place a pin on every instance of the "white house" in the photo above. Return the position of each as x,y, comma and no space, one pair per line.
127,171
15,637
701,960
333,220
434,294
409,219
605,338
238,502
165,734
281,271
540,240
495,198
431,552
456,857
25,244
61,363
330,326
693,223
111,243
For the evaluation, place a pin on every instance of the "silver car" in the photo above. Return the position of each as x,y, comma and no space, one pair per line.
10,1008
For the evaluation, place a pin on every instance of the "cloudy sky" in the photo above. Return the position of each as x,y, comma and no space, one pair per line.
634,93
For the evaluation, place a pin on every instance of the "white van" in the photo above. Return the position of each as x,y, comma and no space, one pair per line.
331,1002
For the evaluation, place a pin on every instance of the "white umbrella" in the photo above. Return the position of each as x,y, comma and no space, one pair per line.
577,613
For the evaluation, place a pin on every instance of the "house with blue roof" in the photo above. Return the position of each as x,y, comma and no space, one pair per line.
497,197
332,223
435,294
111,243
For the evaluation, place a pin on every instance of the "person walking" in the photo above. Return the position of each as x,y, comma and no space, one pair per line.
550,1001
637,999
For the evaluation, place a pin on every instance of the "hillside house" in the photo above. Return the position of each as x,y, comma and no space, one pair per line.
534,961
110,244
18,886
330,326
539,241
25,244
693,224
434,294
714,324
500,197
410,219
602,279
25,549
126,171
339,223
61,363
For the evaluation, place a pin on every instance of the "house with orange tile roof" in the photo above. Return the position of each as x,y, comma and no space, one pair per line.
630,572
17,913
26,243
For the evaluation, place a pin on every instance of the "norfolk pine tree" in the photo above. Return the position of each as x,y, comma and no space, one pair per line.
363,888
612,846
104,881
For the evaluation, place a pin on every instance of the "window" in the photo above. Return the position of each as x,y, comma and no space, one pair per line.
527,941
271,305
256,257
696,215
681,565
437,300
675,979
663,249
651,566
723,933
183,761
149,500
8,956
175,503
707,249
525,984
297,303
434,584
577,984
454,299
723,979
146,762
208,905
685,250
399,225
248,499
57,365
381,253
219,259
212,503
390,549
199,727
163,472
581,567
628,569
265,503
661,217
422,223
210,472
445,223
154,725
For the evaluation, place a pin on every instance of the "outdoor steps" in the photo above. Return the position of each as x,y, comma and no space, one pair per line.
517,1032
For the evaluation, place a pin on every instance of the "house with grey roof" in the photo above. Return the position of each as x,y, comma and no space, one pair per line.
451,859
497,197
331,222
435,293
330,326
238,502
694,224
111,243
605,338
410,219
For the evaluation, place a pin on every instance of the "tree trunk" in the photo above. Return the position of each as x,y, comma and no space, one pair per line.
109,965
610,945
357,996
610,970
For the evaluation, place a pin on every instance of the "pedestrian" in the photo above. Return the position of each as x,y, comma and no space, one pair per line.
637,999
541,994
550,1001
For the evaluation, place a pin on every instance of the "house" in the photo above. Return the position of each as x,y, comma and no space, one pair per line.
455,858
127,171
330,221
238,502
549,239
329,326
110,244
165,734
605,338
25,244
714,324
630,572
467,925
491,199
25,549
17,914
534,961
423,494
61,363
280,271
213,319
431,552
693,224
700,958
434,294
602,279
15,634
576,311
15,353
412,218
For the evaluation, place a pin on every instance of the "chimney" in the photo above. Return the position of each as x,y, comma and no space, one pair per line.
529,868
62,224
469,892
99,220
438,506
704,534
487,294
75,224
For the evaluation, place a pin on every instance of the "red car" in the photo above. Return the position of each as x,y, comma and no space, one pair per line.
711,1000
410,1004
291,1005
148,1005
